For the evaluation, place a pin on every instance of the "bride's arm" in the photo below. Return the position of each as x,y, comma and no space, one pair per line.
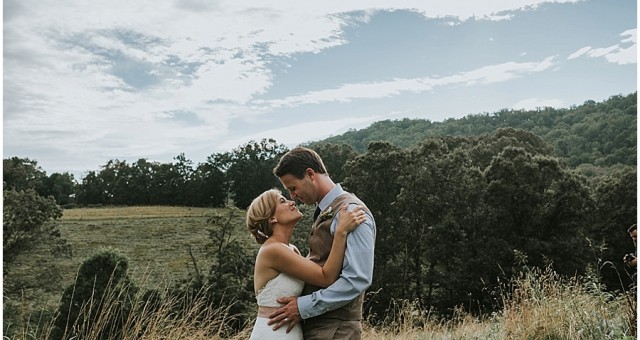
282,259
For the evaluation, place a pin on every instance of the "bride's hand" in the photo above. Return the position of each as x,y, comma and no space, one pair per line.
350,220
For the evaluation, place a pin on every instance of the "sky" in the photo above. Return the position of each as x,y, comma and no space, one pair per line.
86,82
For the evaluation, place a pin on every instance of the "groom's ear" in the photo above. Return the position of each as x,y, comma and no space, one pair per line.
309,172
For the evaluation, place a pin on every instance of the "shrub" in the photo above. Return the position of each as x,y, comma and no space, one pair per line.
101,295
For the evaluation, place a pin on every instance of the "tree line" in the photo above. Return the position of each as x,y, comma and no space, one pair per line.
234,176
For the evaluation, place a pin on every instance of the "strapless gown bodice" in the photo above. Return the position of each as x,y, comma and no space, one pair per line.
280,286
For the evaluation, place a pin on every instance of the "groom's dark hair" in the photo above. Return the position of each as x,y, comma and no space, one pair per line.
296,162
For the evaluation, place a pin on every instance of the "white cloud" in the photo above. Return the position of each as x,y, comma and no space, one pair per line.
293,135
579,53
535,103
618,54
369,90
625,55
501,72
601,52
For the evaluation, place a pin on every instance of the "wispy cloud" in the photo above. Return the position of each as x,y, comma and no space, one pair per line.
534,103
623,53
579,53
348,92
292,135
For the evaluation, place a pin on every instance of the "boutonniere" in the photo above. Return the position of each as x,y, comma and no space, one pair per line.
325,215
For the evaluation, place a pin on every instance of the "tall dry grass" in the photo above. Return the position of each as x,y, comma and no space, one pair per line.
545,305
161,315
540,305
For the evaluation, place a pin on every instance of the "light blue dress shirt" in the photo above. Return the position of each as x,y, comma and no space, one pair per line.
357,267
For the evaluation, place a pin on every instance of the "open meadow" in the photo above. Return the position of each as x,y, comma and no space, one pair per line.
157,241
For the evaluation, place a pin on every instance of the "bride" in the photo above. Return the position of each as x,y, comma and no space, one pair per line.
280,270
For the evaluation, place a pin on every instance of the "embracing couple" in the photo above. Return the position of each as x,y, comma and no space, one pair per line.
319,296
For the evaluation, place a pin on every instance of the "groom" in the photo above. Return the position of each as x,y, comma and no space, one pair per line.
334,312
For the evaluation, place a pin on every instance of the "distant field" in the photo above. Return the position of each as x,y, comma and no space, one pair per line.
156,240
132,212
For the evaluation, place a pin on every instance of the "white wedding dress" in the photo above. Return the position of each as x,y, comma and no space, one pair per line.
280,286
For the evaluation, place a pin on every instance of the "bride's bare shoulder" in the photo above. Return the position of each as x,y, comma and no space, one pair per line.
273,248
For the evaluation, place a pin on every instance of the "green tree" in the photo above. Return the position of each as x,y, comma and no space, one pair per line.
61,186
22,174
421,212
616,200
28,219
207,186
539,209
184,174
231,276
92,190
249,169
439,201
229,280
373,177
116,176
165,184
334,158
99,301
140,189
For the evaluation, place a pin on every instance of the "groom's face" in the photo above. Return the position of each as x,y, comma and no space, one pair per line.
300,189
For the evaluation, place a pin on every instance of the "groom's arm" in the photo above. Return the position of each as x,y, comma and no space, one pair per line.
356,276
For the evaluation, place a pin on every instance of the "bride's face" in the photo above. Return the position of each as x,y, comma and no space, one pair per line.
286,211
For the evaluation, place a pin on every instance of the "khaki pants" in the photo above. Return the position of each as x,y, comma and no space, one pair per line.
320,328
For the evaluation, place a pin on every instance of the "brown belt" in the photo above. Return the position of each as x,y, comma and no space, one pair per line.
264,311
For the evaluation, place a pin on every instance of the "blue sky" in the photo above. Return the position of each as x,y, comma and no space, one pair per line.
87,81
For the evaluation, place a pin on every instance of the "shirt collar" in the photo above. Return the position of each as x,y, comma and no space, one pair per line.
330,196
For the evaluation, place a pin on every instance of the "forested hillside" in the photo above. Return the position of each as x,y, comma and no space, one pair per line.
602,134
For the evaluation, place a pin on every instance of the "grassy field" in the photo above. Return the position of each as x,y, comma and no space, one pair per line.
156,241
115,213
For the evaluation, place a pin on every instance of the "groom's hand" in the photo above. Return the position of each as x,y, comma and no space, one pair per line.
287,314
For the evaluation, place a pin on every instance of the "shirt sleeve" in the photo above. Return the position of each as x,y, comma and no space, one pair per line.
355,278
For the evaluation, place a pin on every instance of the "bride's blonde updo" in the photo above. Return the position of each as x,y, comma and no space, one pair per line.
260,212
